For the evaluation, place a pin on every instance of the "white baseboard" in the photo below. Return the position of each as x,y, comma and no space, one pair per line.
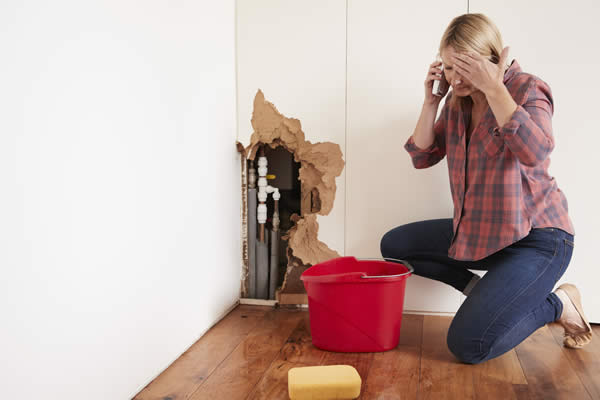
258,302
418,312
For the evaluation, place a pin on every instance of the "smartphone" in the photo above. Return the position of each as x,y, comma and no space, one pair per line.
441,86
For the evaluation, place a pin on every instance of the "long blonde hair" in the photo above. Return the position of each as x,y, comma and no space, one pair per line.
472,32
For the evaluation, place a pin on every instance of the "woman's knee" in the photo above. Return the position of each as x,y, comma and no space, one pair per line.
405,240
394,243
464,347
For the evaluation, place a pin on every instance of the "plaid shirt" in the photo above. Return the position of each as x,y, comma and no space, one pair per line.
499,181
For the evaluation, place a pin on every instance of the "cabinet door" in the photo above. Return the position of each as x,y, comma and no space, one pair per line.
295,52
390,47
557,42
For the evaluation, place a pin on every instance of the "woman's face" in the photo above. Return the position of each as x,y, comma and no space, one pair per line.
461,86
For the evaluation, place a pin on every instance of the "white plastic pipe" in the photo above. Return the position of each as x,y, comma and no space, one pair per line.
265,283
263,190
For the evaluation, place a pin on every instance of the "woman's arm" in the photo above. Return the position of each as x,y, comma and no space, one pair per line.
502,104
423,134
526,129
427,145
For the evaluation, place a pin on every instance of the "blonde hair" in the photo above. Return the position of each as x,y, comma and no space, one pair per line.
472,32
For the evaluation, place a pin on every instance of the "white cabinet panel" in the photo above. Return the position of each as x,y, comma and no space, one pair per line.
390,47
558,42
295,52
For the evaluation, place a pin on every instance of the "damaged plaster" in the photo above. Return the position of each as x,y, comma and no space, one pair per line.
320,164
244,215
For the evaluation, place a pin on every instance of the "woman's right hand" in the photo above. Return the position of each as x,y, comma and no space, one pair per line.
434,73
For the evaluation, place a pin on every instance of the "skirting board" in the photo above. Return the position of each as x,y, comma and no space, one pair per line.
272,303
417,312
442,314
258,302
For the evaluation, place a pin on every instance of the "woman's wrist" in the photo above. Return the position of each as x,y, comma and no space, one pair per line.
494,92
501,103
430,105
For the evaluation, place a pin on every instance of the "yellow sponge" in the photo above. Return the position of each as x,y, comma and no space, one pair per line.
324,382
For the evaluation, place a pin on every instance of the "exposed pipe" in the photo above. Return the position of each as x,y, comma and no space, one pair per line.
252,231
262,194
274,267
262,248
262,270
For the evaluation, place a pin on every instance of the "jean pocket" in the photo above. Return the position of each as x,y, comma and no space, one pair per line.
545,240
568,246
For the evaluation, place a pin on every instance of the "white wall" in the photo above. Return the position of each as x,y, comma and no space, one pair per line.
295,52
557,48
389,46
120,191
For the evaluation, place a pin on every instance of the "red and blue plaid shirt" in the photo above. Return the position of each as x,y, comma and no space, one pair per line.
498,178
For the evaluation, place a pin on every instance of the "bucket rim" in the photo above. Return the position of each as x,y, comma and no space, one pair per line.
358,276
403,262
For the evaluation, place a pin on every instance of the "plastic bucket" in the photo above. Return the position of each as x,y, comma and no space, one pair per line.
355,305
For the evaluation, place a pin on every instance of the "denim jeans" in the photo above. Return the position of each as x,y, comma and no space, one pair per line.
508,304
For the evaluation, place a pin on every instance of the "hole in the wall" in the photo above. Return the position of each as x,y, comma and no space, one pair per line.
285,172
312,168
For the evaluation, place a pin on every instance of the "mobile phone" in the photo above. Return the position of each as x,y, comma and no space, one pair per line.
441,86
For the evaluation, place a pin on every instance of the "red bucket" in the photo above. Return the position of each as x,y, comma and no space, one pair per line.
355,305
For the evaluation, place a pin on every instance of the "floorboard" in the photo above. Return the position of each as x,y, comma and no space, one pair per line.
190,370
236,376
547,369
585,361
395,374
442,376
248,354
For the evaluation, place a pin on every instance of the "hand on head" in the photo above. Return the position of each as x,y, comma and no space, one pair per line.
483,74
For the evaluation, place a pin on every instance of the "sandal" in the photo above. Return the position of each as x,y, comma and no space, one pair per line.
574,337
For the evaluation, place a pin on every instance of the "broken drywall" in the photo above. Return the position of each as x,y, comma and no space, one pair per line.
304,243
320,164
304,250
244,215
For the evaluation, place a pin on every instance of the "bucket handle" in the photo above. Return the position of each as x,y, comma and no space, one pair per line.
410,268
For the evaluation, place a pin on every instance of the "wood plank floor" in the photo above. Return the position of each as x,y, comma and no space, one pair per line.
247,355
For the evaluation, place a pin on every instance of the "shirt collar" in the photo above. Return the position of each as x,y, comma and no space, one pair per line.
514,69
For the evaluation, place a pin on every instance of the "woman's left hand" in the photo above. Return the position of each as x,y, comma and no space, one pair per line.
482,73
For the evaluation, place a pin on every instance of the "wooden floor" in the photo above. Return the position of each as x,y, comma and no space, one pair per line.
247,355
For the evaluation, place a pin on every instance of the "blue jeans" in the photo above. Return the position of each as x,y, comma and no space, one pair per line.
508,304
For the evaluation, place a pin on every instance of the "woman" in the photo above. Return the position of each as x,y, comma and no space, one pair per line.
510,217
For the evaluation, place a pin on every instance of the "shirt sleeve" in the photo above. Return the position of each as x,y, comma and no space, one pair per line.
528,133
424,158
